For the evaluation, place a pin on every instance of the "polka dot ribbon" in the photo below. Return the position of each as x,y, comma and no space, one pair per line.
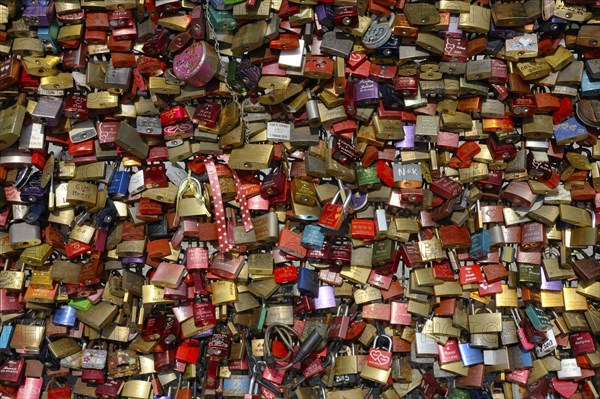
241,198
217,197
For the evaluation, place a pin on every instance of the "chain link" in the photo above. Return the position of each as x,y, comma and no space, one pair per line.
234,94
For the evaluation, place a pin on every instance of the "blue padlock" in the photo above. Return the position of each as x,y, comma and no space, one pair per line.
220,5
478,394
391,100
48,36
470,355
119,184
106,216
553,25
480,245
308,282
589,87
34,212
65,316
390,48
312,237
32,192
519,358
5,336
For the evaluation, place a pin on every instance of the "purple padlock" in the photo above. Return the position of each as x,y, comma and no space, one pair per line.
204,334
100,240
366,92
47,111
550,285
197,64
326,298
453,30
26,3
500,32
32,192
409,138
325,15
248,73
358,199
39,15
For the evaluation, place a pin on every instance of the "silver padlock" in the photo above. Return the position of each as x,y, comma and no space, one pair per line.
19,211
337,43
117,80
136,183
148,125
23,235
379,32
32,137
312,110
83,131
569,369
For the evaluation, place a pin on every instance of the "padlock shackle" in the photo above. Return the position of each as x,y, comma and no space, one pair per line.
390,342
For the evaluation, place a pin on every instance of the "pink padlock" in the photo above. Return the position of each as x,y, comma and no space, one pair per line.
197,64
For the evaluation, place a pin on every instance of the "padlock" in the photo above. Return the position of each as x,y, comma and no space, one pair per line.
333,214
338,327
379,358
379,32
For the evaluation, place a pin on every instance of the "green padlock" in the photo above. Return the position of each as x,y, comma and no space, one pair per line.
383,252
539,320
530,275
367,178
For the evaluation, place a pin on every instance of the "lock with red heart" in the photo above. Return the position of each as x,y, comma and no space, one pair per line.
381,358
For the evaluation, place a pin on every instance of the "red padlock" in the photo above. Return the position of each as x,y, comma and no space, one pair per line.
355,329
204,314
285,274
334,214
470,274
380,358
468,150
188,352
362,229
338,328
278,349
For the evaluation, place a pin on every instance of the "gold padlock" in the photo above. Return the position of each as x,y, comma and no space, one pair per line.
137,389
251,157
224,292
153,295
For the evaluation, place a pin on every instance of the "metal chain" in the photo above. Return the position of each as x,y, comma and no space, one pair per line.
234,94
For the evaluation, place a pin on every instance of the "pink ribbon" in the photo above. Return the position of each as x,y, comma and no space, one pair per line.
241,198
217,197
